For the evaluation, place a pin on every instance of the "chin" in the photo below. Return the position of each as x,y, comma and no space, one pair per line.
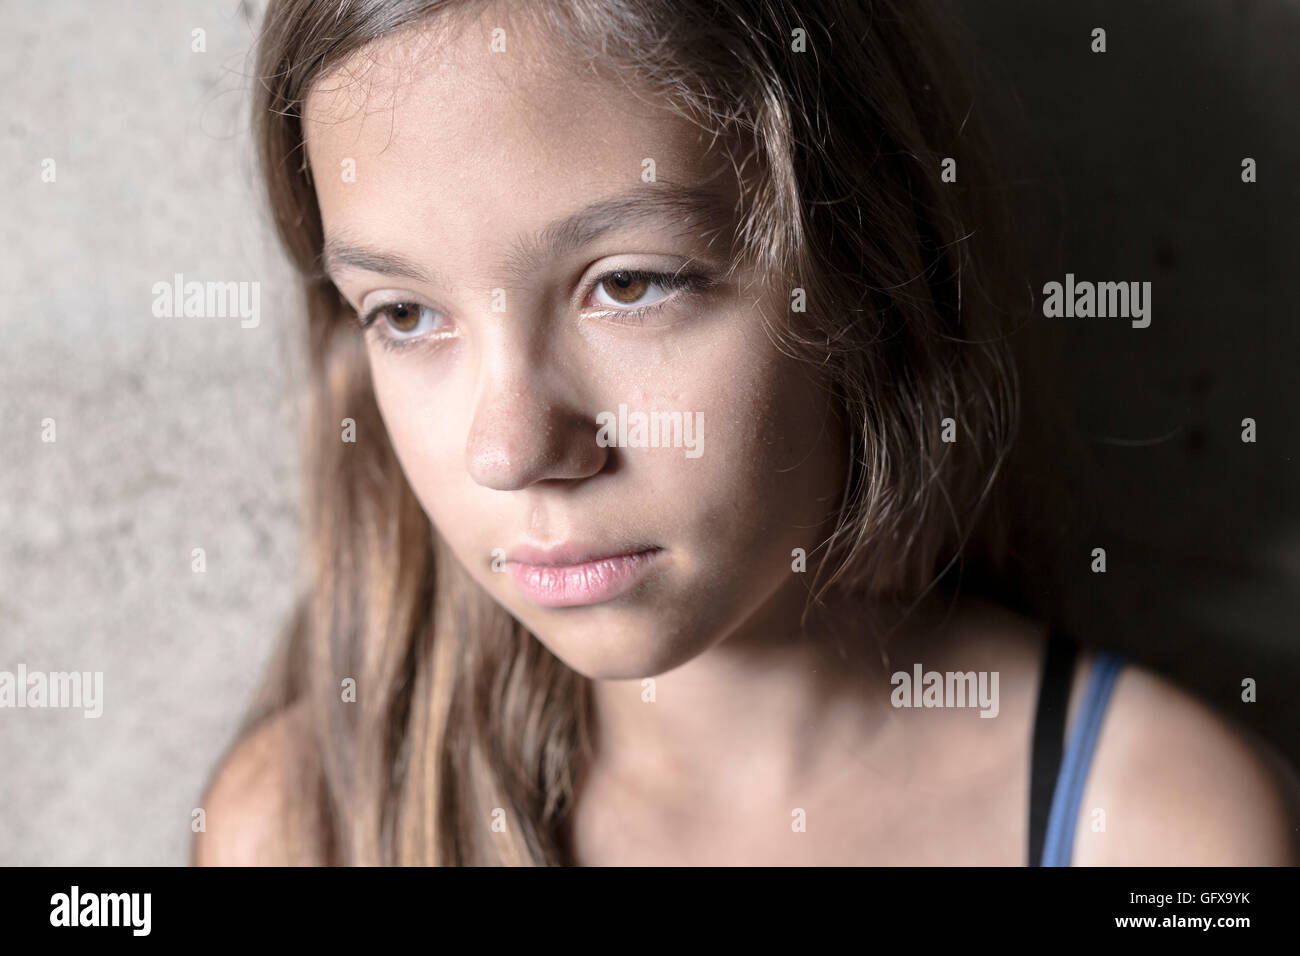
609,646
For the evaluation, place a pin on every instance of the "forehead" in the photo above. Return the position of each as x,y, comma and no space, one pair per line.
434,120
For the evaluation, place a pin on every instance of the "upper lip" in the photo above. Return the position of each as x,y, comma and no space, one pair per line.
572,552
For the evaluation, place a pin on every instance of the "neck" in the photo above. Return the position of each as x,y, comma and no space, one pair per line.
772,705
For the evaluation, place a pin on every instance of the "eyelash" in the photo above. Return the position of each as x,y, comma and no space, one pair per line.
670,281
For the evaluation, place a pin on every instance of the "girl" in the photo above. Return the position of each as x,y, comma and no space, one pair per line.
670,484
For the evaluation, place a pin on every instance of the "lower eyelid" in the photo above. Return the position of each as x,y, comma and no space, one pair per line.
390,344
635,316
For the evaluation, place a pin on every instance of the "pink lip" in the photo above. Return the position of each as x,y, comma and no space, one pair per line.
576,574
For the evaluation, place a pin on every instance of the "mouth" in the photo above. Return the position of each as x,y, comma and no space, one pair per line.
578,575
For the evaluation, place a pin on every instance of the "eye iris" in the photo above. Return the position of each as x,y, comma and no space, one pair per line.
625,288
402,317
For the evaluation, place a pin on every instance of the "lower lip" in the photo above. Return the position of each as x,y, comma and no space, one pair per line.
573,585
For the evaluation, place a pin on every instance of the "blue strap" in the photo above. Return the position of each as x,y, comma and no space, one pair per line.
1059,844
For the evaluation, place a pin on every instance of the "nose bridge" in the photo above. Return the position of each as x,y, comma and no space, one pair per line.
525,426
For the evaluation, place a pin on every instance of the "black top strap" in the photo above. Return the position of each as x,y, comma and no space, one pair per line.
1049,735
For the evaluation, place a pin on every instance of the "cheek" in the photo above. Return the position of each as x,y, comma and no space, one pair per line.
424,428
772,469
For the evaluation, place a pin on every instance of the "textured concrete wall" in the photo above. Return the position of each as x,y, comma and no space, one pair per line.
173,434
170,433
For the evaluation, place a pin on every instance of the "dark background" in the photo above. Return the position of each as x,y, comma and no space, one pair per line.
1126,166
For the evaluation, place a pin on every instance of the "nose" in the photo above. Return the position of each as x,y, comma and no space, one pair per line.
526,428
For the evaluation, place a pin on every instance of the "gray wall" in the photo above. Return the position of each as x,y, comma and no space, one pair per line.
175,434
171,433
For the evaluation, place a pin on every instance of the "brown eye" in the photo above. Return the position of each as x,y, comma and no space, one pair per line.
402,317
636,292
405,321
625,288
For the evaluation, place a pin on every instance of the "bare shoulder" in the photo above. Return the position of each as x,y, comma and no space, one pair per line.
1174,783
246,803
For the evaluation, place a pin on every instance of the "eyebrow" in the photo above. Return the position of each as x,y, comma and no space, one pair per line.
699,211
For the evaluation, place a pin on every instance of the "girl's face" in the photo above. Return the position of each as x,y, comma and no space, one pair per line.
542,256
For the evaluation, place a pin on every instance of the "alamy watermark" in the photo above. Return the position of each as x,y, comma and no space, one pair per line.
75,908
208,300
626,429
946,689
1085,300
55,690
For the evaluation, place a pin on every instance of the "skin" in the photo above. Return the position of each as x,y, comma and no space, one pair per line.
461,156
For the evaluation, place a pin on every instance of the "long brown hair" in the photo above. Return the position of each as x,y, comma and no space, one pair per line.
462,718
